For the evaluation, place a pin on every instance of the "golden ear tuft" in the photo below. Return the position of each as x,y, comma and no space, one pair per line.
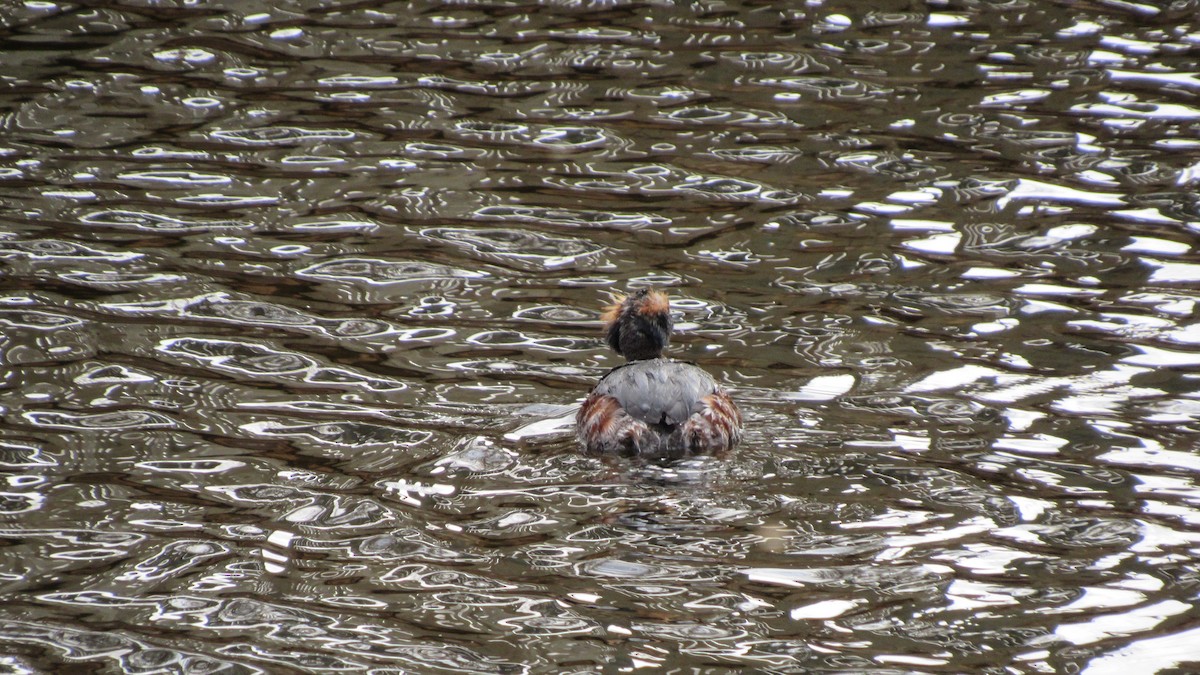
655,302
611,312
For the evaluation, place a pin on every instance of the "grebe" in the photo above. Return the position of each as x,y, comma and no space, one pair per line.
652,407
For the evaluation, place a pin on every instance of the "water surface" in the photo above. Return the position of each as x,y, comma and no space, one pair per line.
297,297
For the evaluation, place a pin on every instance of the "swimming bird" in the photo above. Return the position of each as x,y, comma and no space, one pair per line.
653,407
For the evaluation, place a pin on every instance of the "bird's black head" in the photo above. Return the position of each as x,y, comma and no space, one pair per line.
638,326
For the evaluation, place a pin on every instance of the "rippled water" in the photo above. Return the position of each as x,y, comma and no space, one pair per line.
298,297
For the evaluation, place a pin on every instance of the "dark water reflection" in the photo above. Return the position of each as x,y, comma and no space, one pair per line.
296,298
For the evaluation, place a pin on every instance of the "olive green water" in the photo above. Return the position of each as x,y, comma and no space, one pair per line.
296,297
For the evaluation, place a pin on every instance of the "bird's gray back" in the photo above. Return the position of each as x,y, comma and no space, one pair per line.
658,391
